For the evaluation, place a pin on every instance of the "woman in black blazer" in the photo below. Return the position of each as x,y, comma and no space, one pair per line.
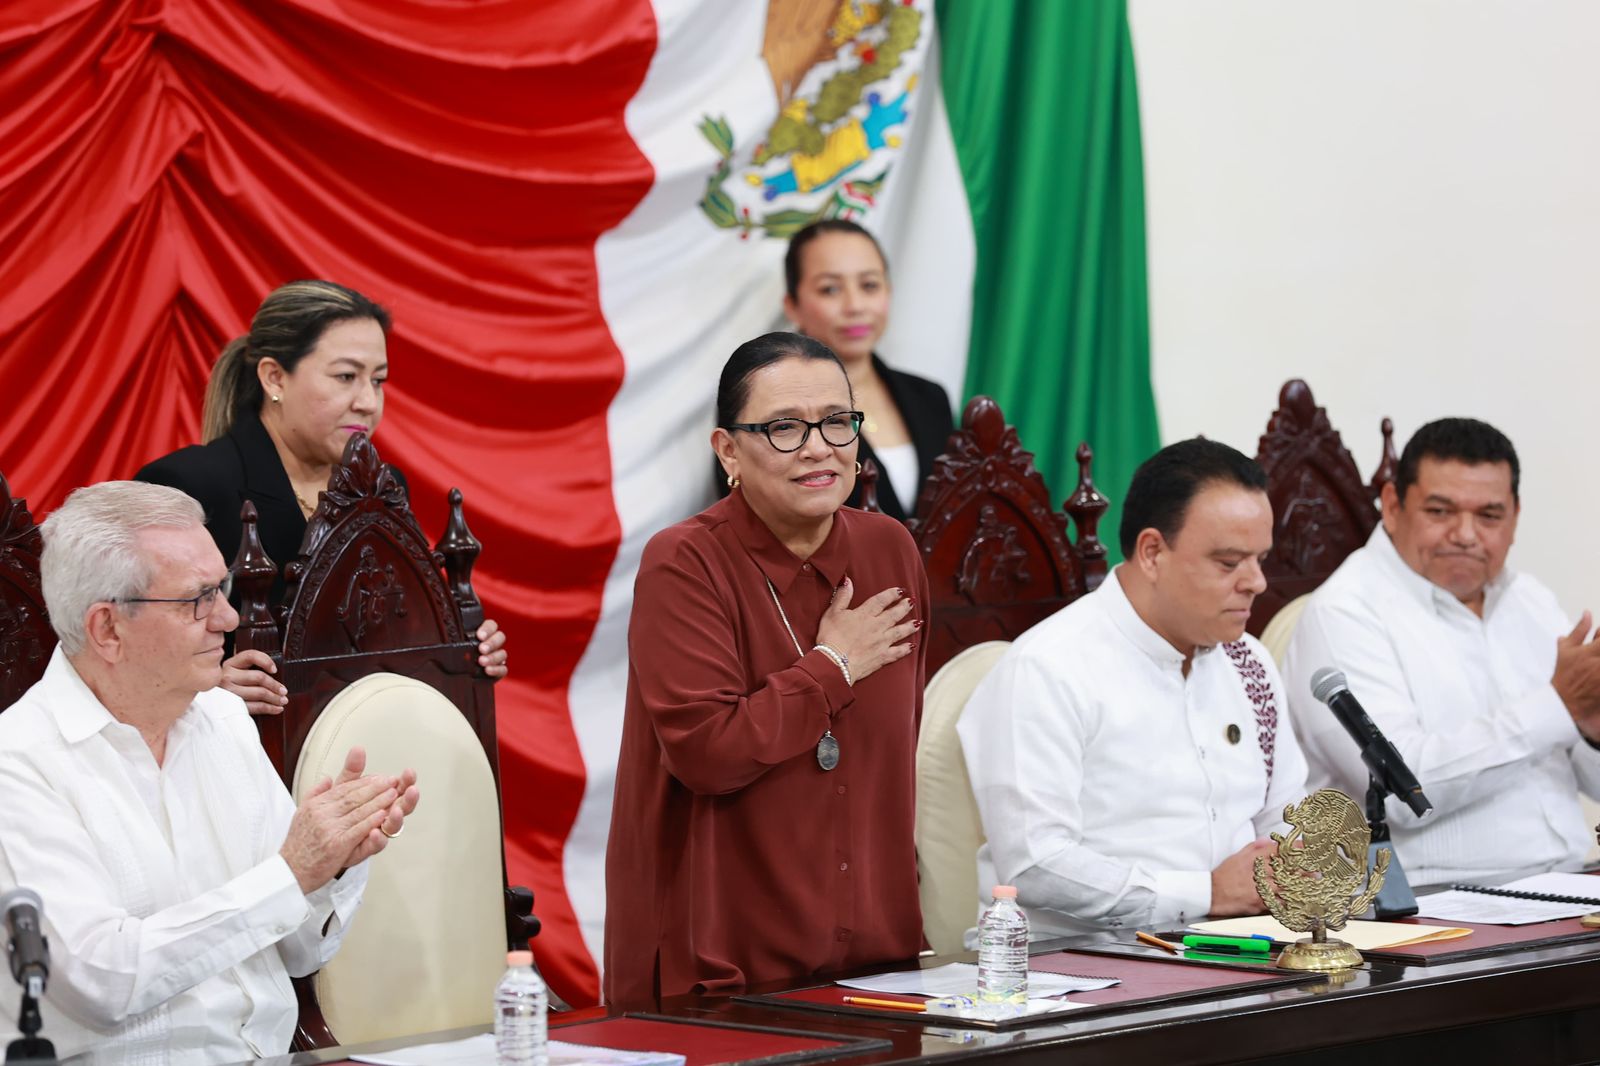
282,402
838,293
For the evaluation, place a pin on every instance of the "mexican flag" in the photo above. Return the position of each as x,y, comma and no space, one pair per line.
575,213
994,148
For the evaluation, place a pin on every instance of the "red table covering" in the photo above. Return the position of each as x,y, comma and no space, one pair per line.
701,1043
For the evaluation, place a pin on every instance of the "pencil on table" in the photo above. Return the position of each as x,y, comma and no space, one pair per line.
891,1004
1157,942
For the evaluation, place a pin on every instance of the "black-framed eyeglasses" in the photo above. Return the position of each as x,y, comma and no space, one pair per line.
791,434
203,601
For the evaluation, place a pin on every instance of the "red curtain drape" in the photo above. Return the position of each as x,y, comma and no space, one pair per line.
163,165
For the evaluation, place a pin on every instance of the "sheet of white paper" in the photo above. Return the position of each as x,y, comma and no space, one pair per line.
1476,907
473,1051
565,1054
961,979
479,1051
1000,1012
1585,886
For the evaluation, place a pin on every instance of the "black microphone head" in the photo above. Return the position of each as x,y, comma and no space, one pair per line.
1327,682
20,896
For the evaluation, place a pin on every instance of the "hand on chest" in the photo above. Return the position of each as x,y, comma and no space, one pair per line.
866,634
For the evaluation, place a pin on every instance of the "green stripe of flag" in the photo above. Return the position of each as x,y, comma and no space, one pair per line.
1044,112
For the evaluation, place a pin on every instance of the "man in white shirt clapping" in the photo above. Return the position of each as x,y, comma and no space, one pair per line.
1470,669
1130,752
181,886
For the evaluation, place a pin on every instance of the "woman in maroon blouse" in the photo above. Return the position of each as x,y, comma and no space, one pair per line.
762,823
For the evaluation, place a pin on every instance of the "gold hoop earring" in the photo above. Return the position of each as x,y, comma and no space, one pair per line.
858,466
733,482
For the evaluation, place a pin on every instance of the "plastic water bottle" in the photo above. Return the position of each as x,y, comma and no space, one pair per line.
520,1002
1003,950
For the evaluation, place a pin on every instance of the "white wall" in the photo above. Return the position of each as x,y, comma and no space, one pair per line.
1398,200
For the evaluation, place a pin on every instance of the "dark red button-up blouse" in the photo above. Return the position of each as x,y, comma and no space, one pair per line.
734,859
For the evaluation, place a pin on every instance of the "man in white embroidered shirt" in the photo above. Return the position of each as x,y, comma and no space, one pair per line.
1471,670
181,885
1126,753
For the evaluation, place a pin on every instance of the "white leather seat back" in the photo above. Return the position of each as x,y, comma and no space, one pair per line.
428,944
1275,638
948,829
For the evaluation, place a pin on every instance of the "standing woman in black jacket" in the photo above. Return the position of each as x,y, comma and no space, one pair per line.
282,402
838,293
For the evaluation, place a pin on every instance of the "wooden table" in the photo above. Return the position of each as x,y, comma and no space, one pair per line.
1530,1007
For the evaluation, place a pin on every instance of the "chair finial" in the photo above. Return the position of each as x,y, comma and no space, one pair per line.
254,572
1389,465
460,551
1086,506
868,480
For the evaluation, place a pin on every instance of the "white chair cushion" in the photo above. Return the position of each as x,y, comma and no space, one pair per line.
1275,638
428,944
948,829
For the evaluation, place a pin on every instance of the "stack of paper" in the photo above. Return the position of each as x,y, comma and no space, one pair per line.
1363,936
1509,904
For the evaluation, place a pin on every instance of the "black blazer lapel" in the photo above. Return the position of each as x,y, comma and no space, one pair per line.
266,484
926,410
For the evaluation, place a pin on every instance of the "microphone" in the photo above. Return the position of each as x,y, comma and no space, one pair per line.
1383,761
26,945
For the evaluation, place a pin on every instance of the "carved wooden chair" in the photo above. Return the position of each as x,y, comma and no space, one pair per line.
26,639
998,555
999,560
376,647
1322,510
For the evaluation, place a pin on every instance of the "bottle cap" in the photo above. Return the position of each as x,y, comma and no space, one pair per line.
519,958
1005,892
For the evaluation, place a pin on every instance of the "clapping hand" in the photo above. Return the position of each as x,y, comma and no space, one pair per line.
1577,676
347,821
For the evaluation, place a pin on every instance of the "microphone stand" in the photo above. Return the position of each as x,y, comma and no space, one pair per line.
30,1046
1395,899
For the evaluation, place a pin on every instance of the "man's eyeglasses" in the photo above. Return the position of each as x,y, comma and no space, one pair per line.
202,601
791,434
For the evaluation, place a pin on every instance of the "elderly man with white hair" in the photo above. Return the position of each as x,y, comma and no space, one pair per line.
181,885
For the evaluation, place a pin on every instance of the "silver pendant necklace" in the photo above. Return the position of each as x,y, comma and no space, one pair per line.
828,746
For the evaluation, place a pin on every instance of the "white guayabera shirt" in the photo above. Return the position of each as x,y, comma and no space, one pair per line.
174,924
1467,702
1110,785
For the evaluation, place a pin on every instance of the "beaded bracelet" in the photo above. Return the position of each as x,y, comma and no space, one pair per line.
839,660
